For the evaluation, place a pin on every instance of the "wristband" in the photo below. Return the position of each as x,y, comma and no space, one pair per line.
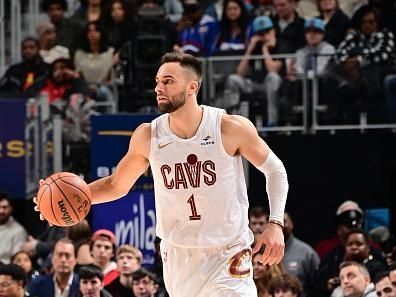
272,221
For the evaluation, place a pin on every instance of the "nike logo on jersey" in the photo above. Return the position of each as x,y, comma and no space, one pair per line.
161,146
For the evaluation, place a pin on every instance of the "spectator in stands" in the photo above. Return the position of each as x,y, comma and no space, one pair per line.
102,249
83,251
23,260
94,59
288,25
64,81
357,248
234,24
258,218
196,32
369,44
91,282
144,283
90,11
26,78
366,56
121,23
383,285
300,259
386,11
129,259
337,22
62,281
285,285
317,52
355,281
65,30
81,235
349,216
258,76
12,281
263,274
40,247
12,234
50,50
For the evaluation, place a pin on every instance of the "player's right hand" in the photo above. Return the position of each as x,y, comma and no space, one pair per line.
36,207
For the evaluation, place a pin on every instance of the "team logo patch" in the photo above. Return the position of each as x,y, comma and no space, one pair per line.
239,264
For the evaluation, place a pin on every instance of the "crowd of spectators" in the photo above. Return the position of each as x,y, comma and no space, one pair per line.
349,45
74,261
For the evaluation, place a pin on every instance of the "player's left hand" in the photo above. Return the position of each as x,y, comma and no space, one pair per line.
273,240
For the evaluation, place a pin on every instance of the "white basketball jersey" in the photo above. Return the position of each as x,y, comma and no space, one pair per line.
200,191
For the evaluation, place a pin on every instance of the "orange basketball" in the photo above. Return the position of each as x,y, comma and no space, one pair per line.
64,199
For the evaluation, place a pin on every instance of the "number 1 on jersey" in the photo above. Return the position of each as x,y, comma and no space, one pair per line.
195,216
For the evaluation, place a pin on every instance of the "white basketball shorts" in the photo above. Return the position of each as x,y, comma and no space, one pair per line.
210,272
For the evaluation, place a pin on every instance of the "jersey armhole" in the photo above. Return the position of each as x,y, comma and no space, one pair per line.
153,126
219,139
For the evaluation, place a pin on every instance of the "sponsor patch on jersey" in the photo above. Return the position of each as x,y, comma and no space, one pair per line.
208,140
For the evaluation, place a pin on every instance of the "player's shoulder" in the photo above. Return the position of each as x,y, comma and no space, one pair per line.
142,135
143,130
233,123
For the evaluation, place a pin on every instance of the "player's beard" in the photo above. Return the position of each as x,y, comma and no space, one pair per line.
173,103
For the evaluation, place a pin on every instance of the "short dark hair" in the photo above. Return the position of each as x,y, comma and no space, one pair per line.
257,212
65,240
32,39
186,61
90,271
141,273
285,282
4,196
16,272
380,276
392,266
357,231
47,3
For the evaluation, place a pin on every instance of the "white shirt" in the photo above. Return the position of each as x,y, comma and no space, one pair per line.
12,236
66,291
200,191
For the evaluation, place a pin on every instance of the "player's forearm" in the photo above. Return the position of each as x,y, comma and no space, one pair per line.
277,186
104,190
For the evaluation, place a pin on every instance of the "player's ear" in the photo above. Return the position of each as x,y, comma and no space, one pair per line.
193,87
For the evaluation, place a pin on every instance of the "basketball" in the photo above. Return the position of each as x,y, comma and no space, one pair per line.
64,199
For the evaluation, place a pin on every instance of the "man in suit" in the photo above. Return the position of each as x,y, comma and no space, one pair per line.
62,282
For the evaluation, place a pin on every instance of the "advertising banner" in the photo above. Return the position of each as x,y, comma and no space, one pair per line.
131,218
12,147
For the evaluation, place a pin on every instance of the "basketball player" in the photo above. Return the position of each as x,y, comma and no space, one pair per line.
201,199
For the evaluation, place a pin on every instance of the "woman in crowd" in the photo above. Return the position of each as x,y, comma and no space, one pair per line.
234,23
94,59
120,23
23,260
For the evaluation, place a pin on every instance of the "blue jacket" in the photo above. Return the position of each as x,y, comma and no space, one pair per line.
43,286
